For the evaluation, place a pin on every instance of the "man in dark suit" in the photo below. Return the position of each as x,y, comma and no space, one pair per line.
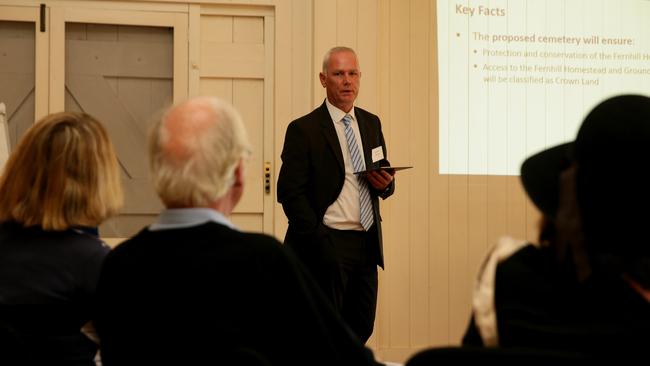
334,221
191,288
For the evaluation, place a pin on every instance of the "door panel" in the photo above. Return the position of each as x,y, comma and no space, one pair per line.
235,64
23,73
17,75
123,64
122,75
247,94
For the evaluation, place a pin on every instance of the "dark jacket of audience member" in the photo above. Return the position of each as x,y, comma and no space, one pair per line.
61,177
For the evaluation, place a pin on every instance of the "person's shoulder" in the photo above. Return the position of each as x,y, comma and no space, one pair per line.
365,114
527,258
264,247
530,267
78,242
260,237
210,239
76,251
260,240
133,243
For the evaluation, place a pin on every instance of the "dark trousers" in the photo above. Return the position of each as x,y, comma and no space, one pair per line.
352,284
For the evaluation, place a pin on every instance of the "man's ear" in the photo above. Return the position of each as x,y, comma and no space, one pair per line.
322,78
239,174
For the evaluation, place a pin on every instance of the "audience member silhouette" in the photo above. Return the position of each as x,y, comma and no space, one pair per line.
61,178
586,288
583,292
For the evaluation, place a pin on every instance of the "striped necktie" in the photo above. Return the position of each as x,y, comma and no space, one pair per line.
365,204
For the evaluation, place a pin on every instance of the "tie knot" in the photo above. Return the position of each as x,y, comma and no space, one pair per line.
346,120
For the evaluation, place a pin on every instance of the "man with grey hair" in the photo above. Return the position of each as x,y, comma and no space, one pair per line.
227,296
333,209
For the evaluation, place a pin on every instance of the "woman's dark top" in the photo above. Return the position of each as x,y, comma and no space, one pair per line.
47,287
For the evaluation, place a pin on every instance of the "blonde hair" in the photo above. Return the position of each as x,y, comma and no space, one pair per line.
194,150
62,174
333,50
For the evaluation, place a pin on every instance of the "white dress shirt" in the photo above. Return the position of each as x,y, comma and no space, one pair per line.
344,213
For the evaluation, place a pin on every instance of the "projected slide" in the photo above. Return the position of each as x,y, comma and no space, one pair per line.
517,76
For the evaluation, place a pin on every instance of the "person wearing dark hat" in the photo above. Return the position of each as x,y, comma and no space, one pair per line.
585,288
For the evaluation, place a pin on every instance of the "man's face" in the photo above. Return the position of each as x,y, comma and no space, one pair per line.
342,80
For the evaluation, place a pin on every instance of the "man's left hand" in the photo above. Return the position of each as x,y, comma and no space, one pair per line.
380,179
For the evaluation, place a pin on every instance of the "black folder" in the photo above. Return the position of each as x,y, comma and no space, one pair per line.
389,169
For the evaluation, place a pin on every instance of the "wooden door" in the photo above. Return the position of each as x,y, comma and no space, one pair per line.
122,67
233,60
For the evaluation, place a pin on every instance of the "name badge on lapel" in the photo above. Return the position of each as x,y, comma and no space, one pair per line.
377,154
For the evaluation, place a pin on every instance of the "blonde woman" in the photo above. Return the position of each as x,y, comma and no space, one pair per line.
61,179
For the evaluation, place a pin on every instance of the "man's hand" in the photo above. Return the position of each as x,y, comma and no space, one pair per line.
380,179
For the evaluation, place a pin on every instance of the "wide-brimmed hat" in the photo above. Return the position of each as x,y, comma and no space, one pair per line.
614,136
540,176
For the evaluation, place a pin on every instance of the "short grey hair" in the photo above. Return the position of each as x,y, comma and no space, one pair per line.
332,51
204,171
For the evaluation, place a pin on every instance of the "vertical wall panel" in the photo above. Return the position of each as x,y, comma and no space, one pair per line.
496,206
418,197
325,21
397,127
516,206
438,210
367,50
347,26
286,80
382,331
459,281
477,236
303,75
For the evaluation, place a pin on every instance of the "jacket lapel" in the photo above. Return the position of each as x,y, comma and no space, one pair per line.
330,134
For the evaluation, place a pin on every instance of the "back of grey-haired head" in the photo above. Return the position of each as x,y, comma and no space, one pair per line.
194,151
332,51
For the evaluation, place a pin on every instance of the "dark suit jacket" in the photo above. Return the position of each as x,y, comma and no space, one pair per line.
212,295
313,173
